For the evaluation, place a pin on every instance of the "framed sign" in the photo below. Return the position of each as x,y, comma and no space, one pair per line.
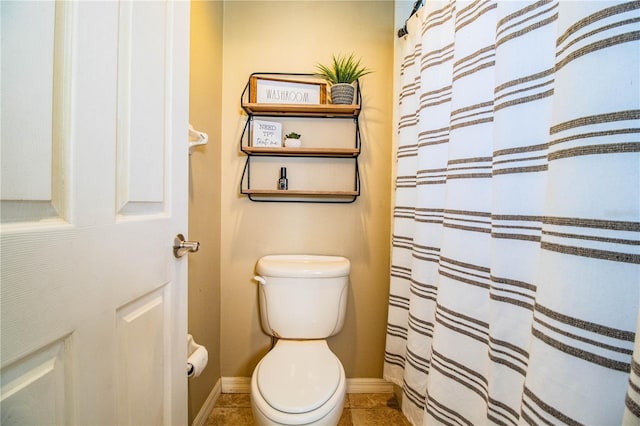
267,134
268,90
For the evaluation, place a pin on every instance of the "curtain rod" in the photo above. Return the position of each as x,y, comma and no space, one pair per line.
403,31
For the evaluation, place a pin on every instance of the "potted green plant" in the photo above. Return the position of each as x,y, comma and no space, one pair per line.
341,74
292,140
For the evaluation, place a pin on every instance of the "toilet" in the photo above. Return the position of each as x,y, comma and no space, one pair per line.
303,300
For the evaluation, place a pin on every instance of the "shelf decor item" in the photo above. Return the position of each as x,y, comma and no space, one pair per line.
341,74
270,90
267,134
292,140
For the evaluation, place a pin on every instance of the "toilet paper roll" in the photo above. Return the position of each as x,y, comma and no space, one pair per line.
197,357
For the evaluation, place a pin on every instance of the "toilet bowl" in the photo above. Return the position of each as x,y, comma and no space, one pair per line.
300,381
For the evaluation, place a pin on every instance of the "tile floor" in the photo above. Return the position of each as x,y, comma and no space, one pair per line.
379,409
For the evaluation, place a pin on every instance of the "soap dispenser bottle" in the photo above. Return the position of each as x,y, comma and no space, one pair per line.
283,183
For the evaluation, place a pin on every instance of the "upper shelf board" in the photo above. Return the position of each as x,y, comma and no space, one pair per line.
316,110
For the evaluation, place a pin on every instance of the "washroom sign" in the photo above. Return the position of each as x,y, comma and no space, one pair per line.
266,90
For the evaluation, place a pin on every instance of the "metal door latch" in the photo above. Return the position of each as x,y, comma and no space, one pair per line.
182,247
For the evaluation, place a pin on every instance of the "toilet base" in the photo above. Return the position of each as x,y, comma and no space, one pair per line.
331,419
327,414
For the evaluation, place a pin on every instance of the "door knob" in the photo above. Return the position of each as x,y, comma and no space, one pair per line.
182,247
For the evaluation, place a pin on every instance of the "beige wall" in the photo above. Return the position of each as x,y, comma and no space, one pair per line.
292,36
204,193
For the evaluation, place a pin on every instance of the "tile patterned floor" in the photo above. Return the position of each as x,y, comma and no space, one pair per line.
361,409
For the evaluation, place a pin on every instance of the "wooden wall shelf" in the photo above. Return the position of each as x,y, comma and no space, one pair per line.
323,111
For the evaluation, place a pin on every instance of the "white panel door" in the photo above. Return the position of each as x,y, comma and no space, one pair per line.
94,154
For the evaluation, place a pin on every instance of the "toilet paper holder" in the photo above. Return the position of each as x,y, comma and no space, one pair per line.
197,357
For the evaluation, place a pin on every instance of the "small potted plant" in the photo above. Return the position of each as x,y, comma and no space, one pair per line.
292,140
341,74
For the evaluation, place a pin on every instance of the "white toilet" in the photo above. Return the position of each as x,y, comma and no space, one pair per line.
303,301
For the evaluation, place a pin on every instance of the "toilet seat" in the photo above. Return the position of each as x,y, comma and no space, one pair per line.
331,393
297,377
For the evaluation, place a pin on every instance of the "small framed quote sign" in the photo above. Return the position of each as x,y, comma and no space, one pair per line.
264,90
267,134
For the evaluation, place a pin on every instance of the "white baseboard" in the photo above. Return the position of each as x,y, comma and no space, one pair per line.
365,385
356,385
207,407
236,384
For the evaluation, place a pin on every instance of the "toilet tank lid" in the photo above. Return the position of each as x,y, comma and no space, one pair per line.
303,266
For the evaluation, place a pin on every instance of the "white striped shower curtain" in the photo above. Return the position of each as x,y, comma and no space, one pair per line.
515,278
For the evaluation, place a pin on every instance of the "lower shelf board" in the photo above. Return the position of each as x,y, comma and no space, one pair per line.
295,192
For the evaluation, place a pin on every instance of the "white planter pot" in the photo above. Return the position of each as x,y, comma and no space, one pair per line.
292,143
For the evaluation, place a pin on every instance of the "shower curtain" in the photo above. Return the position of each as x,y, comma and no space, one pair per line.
516,245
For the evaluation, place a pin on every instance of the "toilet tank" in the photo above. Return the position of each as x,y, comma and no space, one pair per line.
303,296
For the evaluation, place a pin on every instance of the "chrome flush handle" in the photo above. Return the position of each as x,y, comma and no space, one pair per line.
182,247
